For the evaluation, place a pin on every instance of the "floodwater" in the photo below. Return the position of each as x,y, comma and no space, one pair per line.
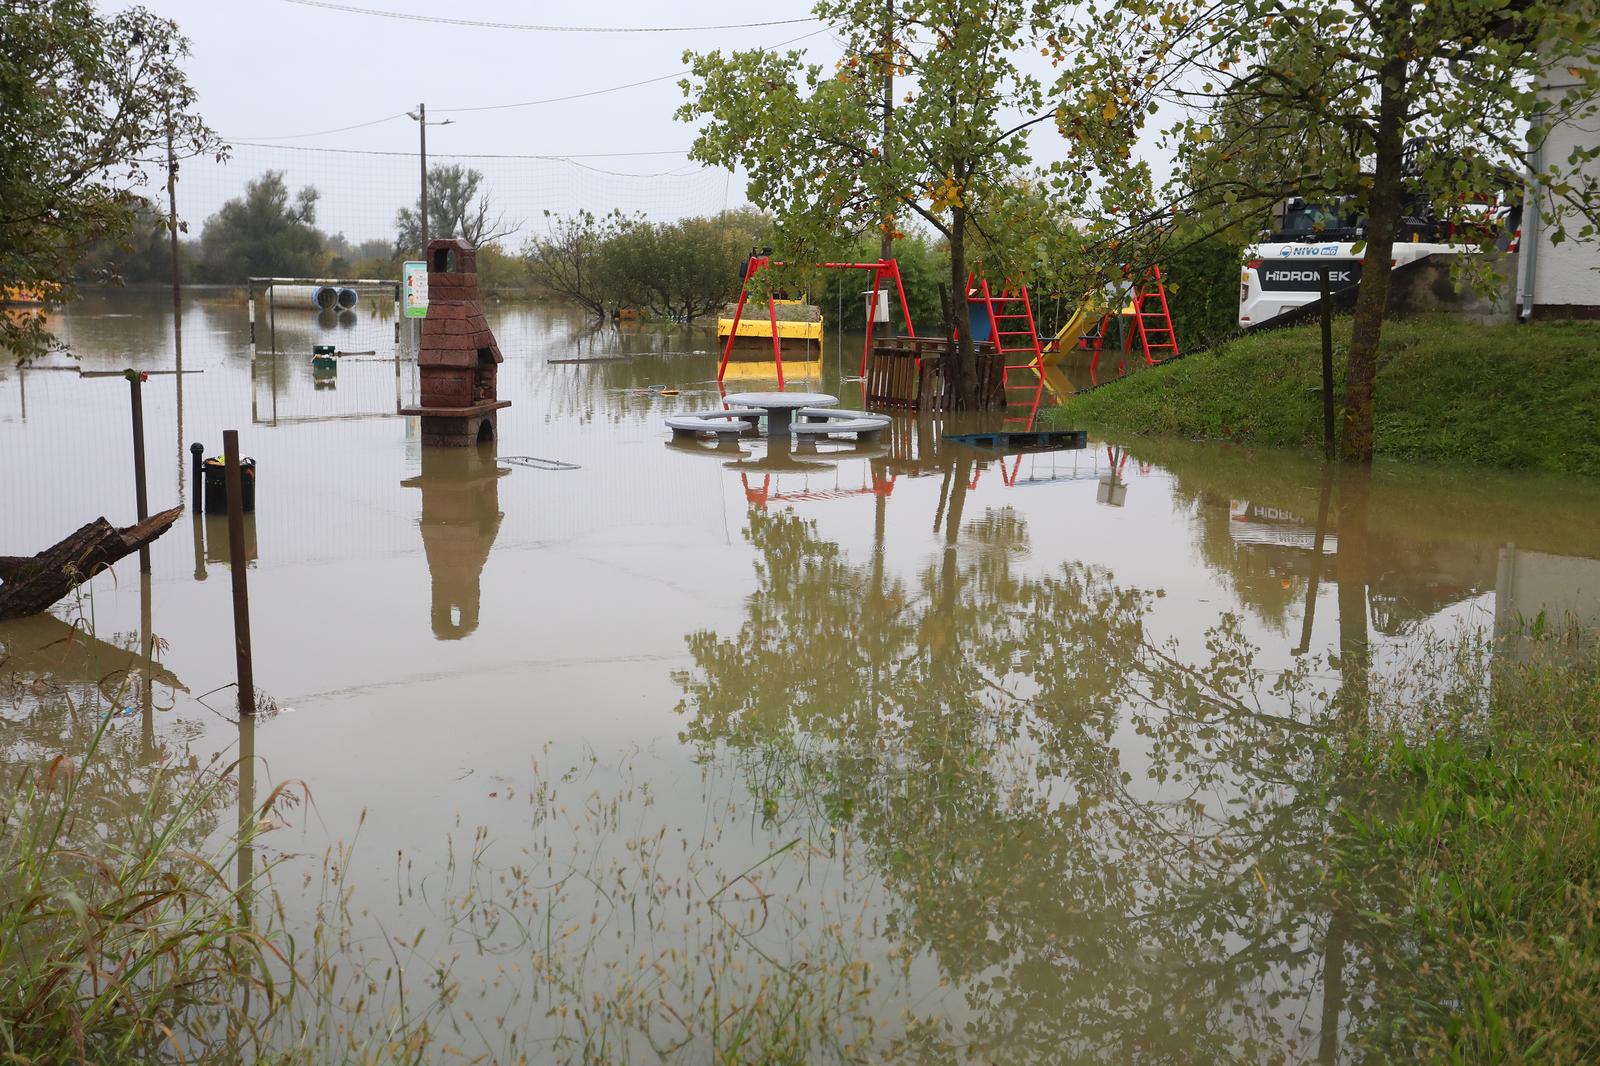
915,752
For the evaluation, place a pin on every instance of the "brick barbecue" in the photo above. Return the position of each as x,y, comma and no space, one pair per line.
458,362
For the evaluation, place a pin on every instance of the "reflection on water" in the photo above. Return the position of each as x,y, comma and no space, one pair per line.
460,517
1040,740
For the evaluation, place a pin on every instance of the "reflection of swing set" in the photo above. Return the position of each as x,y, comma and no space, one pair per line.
759,495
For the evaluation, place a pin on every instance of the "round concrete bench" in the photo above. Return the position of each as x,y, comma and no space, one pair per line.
822,414
824,422
722,423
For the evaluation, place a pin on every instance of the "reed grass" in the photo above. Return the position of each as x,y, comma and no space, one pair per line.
124,945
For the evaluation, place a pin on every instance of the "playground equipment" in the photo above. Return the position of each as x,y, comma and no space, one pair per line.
882,271
1006,321
1085,317
1150,324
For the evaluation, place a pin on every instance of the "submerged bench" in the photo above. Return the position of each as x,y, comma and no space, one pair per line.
722,423
826,421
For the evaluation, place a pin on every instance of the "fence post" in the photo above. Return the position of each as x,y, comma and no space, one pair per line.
137,396
236,558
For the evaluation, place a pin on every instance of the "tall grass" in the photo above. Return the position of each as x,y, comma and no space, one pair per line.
120,943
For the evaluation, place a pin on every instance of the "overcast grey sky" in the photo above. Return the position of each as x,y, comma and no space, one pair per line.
268,70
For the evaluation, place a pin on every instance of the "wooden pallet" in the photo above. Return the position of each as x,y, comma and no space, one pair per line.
1014,442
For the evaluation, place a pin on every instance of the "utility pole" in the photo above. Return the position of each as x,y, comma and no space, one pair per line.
420,117
172,225
422,129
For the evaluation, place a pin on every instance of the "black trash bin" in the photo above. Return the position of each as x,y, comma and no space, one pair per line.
217,485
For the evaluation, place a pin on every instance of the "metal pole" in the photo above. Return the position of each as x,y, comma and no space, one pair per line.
236,561
252,292
137,396
197,472
886,246
1327,367
422,127
172,223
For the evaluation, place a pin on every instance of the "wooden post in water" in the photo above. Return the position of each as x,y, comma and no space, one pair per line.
1327,366
236,560
140,500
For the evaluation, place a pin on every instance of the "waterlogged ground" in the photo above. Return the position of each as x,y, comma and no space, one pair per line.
907,752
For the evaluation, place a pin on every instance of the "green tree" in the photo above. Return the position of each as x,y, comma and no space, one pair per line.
459,205
679,270
814,145
1375,105
87,98
263,233
140,253
568,262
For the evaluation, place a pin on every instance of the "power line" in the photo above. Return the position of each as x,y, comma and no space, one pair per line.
522,103
559,99
407,17
341,129
458,155
609,89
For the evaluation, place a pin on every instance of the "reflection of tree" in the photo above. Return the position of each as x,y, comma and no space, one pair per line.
58,686
973,727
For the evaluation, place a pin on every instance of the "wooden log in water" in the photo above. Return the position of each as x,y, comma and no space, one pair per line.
33,582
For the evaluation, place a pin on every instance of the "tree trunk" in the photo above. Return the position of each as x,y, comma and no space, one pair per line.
961,382
33,583
1372,299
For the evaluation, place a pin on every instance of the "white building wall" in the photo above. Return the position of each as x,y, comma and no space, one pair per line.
1566,276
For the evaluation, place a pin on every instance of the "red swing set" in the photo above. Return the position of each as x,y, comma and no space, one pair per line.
883,270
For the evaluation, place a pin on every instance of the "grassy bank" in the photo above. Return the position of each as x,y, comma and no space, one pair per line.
1448,391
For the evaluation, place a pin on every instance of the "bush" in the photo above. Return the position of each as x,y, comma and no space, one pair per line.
1202,282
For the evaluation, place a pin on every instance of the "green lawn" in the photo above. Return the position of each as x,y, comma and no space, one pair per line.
1449,391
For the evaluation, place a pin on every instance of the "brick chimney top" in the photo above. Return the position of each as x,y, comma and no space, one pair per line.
452,255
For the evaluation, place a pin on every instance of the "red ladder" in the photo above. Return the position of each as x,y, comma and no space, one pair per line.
1152,320
1152,326
1016,337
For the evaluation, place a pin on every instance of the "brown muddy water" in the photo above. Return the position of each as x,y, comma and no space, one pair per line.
914,753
